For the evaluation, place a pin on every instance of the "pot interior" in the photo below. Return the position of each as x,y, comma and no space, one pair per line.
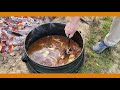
47,30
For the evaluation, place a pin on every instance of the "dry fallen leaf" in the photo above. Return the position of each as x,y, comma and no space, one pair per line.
21,25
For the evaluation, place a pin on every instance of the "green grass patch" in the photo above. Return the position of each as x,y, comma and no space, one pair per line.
97,63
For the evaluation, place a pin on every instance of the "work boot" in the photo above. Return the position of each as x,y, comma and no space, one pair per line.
100,47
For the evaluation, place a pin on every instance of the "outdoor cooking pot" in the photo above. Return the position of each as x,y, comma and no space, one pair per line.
52,29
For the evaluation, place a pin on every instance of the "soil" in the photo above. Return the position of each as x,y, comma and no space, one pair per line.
13,63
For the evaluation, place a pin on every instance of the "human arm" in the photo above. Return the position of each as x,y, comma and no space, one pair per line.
71,27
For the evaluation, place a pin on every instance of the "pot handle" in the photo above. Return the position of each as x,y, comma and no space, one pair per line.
24,58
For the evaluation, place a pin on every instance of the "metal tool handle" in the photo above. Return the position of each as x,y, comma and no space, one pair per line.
68,41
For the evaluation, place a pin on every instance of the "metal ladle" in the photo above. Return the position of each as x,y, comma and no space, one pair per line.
68,48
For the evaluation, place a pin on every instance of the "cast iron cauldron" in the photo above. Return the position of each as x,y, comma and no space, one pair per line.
52,29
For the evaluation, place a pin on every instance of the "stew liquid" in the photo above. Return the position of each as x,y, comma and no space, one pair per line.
50,51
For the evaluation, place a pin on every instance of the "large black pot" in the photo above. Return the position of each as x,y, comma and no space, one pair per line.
52,29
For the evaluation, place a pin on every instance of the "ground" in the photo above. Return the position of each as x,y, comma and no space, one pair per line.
106,62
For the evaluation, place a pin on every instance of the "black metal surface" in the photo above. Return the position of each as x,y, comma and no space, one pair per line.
76,69
52,29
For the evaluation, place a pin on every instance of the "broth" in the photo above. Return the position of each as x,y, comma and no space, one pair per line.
50,51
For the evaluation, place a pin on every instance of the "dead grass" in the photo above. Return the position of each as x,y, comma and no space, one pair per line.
106,62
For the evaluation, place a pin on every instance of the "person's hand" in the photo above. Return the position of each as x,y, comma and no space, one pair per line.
70,29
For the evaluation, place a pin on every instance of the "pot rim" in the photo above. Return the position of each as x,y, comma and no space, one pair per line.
53,66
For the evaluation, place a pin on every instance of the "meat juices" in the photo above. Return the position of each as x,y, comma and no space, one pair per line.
50,51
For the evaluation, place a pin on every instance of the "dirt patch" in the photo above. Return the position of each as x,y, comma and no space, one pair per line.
13,64
107,62
116,65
